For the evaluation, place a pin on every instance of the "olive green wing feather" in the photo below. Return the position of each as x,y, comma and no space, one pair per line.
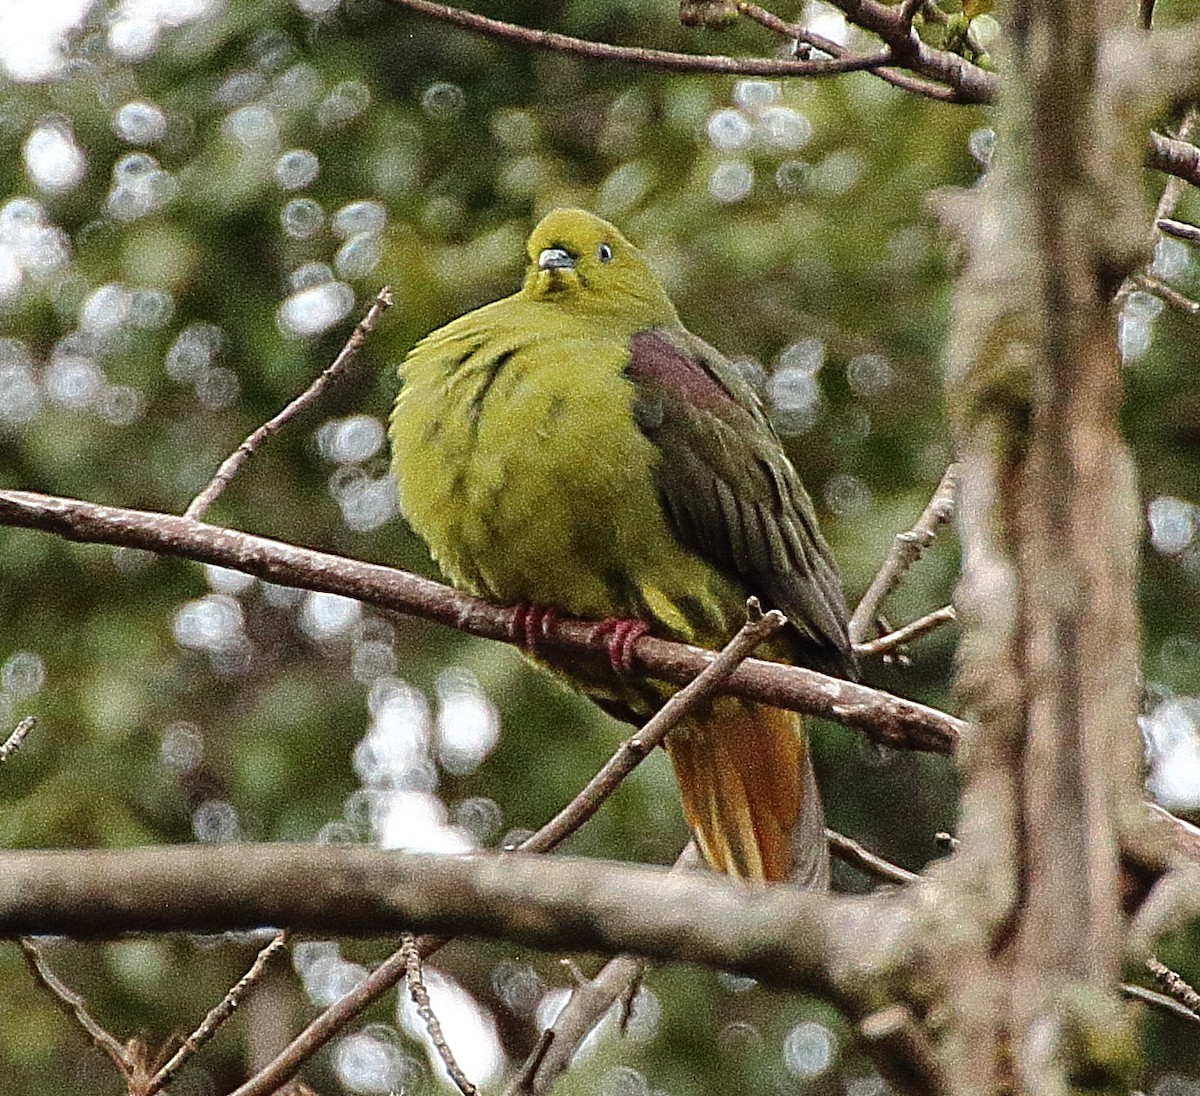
730,493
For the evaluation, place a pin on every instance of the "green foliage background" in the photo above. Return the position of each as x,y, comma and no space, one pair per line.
465,143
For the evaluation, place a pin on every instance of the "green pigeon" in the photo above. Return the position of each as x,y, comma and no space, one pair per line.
572,449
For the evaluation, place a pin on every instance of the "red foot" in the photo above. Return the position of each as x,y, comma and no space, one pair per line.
622,637
531,623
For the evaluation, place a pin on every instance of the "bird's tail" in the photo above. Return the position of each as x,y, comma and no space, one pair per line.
749,794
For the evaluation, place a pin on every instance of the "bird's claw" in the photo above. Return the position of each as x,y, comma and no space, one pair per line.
623,635
532,623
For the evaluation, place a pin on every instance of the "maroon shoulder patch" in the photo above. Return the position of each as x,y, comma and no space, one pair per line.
656,361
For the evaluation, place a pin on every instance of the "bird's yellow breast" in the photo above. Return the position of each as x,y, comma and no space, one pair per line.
519,462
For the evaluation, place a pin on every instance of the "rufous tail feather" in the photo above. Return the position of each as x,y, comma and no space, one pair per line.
749,794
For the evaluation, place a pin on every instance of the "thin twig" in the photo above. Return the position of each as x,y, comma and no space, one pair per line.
1166,293
1179,229
229,467
217,1016
758,627
907,548
1174,985
851,852
1159,1000
15,740
906,634
894,76
637,55
589,1003
634,750
73,1005
420,997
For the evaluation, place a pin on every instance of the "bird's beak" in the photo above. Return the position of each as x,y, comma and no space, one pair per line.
556,258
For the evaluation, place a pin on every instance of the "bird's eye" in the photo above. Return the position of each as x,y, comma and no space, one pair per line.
604,253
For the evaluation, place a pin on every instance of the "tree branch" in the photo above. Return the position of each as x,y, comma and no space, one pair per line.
217,1016
780,934
907,548
906,634
229,467
17,739
637,55
75,1007
890,720
857,856
954,79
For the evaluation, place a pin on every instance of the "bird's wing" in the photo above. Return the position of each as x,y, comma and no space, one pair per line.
730,492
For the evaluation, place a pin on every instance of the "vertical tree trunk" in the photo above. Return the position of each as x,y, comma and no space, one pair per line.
1049,521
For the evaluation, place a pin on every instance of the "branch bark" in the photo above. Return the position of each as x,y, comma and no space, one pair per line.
888,719
780,934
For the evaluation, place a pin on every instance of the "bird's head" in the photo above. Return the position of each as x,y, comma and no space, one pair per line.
585,265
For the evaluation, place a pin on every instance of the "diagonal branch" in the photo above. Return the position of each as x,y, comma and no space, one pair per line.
17,739
907,548
907,633
229,467
74,1006
888,719
217,1016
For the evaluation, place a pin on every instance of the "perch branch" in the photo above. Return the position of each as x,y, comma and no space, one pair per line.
890,720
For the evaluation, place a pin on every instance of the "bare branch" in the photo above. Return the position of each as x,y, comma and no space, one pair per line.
419,993
948,77
1174,985
1166,293
1174,157
74,1006
894,76
1159,1000
857,856
229,467
636,55
15,740
903,1052
588,1004
889,720
758,627
907,548
217,1016
909,9
914,630
551,902
1179,230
